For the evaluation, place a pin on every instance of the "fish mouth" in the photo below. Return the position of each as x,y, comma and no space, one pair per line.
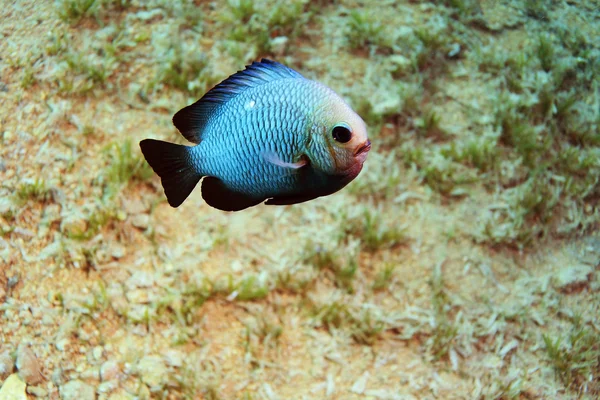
364,148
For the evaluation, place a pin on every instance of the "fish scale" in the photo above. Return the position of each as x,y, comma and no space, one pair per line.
264,133
265,126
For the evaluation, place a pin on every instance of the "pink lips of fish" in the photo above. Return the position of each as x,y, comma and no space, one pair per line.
265,134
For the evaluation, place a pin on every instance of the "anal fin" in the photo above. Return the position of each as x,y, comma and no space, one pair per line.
217,195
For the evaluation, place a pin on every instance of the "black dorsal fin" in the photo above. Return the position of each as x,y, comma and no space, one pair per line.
191,120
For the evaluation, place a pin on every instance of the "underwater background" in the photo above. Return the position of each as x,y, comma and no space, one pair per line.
462,263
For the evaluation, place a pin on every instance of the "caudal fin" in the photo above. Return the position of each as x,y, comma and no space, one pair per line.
173,163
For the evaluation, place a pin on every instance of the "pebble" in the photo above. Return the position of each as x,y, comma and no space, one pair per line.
77,390
140,279
58,196
138,296
73,226
57,376
148,15
135,206
143,393
109,370
97,352
91,373
51,212
174,358
25,317
7,364
140,221
28,366
387,105
279,45
573,278
117,251
5,205
61,344
152,371
47,319
37,391
13,389
12,281
107,387
402,63
121,395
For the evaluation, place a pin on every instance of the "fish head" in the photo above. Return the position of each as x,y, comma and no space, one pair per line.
343,139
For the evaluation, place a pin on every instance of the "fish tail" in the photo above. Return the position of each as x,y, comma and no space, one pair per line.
174,164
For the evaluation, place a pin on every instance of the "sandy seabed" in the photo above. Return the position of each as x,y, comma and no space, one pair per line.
445,271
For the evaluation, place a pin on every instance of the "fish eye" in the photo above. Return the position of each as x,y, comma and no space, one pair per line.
341,133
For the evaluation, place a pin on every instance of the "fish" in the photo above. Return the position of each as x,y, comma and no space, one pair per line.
266,134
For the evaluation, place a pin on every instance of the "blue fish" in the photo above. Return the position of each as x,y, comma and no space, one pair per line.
264,133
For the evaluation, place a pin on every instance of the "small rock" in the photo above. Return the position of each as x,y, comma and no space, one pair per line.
6,205
148,15
400,62
135,206
139,329
73,226
140,279
58,196
388,105
51,212
91,373
174,358
454,50
140,221
61,344
152,371
12,281
573,278
117,251
143,393
97,353
109,370
7,365
24,233
13,389
591,251
25,317
57,376
37,391
360,384
77,390
107,387
121,395
47,319
28,366
138,296
279,45
51,250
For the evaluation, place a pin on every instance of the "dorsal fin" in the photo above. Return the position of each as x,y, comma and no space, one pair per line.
191,120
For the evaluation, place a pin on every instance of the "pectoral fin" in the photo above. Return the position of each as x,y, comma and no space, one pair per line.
273,158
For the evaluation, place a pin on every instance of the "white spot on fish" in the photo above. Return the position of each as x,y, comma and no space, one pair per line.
249,105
